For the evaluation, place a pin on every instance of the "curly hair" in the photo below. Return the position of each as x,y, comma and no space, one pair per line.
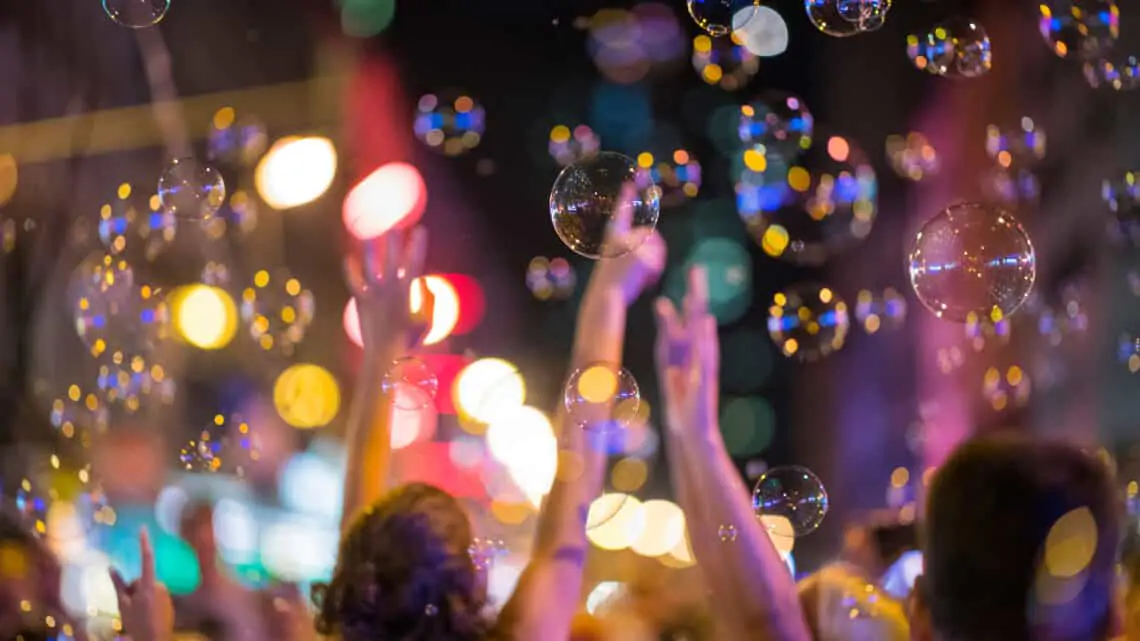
404,573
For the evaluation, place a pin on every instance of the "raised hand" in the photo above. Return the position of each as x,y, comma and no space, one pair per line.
688,358
145,605
631,273
394,303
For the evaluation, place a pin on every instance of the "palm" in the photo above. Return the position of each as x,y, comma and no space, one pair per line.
688,358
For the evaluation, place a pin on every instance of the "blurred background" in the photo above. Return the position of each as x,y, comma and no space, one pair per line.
152,363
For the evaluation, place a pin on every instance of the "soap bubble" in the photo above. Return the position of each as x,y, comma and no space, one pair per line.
484,552
912,156
188,188
1120,72
1013,147
808,321
410,384
727,533
954,49
806,209
1085,28
451,123
792,492
590,195
842,18
877,311
724,62
602,396
277,310
719,17
972,257
136,14
779,122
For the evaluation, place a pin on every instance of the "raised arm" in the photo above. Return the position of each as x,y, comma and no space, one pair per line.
709,487
547,597
381,281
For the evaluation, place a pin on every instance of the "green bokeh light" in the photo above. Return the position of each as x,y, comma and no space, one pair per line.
366,18
747,424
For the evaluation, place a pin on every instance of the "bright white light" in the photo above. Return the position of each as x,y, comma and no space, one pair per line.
489,388
766,34
86,586
502,578
602,594
620,531
296,171
168,508
299,550
664,529
235,530
524,442
311,485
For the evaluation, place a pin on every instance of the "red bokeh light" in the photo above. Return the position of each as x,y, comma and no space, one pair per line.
392,196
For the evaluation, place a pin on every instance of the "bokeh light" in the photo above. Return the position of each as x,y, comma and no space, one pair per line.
306,396
880,311
1086,29
721,17
235,141
724,62
912,156
9,178
277,310
664,529
676,173
451,123
626,521
568,146
392,196
972,258
956,48
551,279
808,321
204,316
488,387
296,171
776,122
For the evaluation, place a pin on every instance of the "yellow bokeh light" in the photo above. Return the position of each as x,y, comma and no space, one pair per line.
445,309
9,178
1071,544
598,384
488,388
296,171
622,529
204,316
664,529
306,396
523,441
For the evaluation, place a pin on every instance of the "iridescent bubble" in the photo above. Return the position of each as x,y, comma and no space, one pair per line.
98,287
1085,28
912,156
806,209
190,189
794,493
954,49
1014,147
568,146
724,62
410,384
842,18
972,258
451,123
588,196
727,533
484,552
778,122
808,321
124,227
128,382
136,14
1120,72
202,454
278,310
878,311
602,397
677,173
719,17
134,327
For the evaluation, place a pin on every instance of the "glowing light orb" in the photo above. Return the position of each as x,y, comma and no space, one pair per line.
296,171
205,316
306,396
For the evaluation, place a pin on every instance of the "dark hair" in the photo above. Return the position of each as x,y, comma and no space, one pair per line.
404,573
990,509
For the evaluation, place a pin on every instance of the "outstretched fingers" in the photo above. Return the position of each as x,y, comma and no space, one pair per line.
147,578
